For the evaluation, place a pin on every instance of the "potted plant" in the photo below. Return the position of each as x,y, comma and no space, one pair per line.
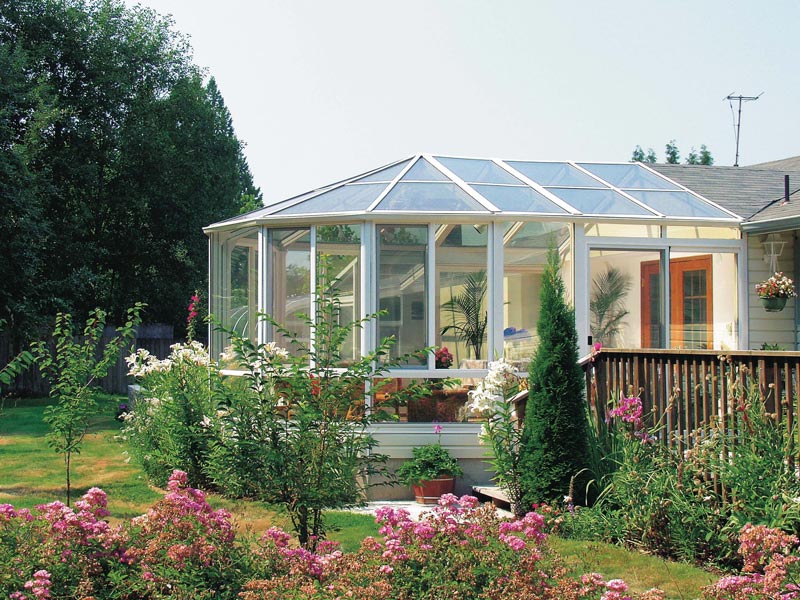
468,313
774,292
431,472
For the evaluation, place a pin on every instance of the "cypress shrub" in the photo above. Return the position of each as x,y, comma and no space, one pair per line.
555,438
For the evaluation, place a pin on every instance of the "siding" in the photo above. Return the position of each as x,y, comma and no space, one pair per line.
765,327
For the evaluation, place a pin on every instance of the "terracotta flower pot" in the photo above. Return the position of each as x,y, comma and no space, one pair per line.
428,492
774,304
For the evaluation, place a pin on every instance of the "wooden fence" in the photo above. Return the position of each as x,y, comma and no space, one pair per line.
687,389
155,338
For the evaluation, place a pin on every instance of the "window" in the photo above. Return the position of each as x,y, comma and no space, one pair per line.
402,260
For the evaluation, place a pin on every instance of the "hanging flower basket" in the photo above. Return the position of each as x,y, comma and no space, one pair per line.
774,292
774,304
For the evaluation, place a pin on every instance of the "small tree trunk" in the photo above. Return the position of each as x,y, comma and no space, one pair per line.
67,456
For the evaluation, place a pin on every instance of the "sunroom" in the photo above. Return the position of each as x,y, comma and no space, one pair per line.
452,251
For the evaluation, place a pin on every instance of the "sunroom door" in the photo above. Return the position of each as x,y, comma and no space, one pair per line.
691,301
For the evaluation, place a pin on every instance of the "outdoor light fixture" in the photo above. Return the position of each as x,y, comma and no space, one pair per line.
772,250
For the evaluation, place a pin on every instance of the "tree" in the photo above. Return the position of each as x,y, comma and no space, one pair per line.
299,434
671,153
115,154
554,438
639,155
73,369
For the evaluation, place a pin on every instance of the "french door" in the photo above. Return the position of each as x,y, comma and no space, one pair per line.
690,303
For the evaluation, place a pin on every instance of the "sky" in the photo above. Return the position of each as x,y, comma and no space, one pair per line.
323,90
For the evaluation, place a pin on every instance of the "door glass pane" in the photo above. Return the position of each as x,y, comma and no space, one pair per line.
625,299
462,293
704,310
291,285
340,245
402,287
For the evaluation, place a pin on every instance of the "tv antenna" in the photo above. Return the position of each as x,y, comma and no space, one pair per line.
737,119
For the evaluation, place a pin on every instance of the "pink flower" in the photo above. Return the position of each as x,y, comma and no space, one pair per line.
437,429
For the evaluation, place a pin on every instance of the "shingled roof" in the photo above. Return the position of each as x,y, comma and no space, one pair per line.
755,193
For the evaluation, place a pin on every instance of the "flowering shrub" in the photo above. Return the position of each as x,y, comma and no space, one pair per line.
769,567
691,504
169,425
501,431
182,548
459,550
777,286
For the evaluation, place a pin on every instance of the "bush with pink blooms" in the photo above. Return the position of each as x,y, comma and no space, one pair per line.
182,548
458,549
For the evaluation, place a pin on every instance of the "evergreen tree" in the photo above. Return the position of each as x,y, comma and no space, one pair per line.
672,154
554,438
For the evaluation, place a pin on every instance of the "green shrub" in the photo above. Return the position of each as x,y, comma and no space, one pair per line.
692,505
554,438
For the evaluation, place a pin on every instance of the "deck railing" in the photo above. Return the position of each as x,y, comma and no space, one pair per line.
687,389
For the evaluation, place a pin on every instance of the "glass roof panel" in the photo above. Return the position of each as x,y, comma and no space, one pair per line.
678,204
535,234
429,197
387,174
599,202
478,171
546,174
342,199
424,171
629,176
518,199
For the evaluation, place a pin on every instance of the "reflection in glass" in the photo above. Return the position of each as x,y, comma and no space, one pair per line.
342,199
625,299
401,286
518,199
387,174
340,245
561,174
629,176
242,292
291,284
462,296
424,197
525,256
679,204
599,202
446,405
479,171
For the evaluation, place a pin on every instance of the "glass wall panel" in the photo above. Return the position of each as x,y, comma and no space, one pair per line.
446,405
525,247
620,230
462,293
402,268
240,295
340,245
626,305
703,300
291,284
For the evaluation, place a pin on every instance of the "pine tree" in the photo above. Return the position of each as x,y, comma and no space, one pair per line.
554,438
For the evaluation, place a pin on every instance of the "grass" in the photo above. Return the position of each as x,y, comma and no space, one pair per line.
640,571
31,473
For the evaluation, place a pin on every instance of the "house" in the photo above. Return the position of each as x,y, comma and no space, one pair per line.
680,245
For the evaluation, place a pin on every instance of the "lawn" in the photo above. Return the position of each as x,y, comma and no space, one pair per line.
31,473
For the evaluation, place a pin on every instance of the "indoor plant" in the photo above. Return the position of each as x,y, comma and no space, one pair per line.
468,313
431,472
774,292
